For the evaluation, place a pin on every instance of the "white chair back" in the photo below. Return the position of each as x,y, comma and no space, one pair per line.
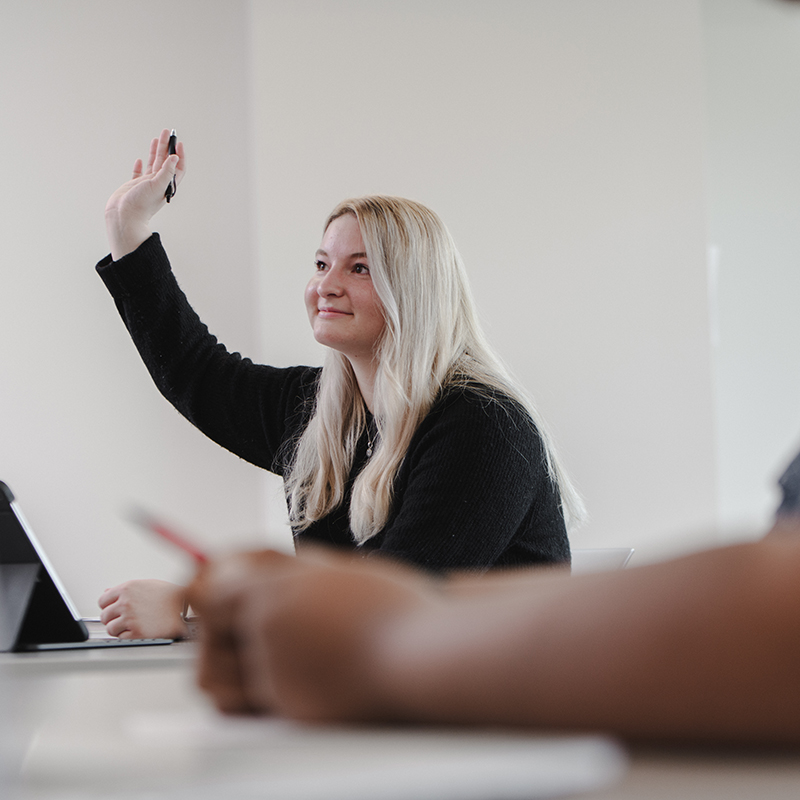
599,559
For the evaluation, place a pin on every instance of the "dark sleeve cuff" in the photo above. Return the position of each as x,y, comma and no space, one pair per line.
147,264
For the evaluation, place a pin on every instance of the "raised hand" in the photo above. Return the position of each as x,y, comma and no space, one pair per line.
130,208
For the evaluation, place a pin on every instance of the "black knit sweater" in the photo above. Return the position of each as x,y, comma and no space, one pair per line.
472,492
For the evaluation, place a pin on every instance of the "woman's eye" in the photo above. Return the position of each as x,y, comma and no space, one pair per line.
320,265
361,269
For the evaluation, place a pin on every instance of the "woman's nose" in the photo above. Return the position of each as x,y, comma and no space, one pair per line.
330,283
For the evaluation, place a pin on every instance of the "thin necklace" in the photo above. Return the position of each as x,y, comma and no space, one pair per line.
369,441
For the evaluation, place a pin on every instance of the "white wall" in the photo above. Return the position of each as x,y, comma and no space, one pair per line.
563,143
753,51
83,433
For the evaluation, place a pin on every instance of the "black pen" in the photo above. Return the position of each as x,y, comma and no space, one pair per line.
173,186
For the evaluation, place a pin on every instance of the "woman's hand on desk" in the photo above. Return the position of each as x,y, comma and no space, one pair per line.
130,208
146,609
297,635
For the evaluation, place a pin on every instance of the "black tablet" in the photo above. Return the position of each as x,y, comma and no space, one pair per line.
36,612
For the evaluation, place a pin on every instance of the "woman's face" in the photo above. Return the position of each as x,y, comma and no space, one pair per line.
342,304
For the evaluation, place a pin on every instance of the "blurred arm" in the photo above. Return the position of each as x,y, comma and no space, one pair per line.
705,647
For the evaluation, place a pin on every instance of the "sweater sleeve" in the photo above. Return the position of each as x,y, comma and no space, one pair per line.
247,408
474,492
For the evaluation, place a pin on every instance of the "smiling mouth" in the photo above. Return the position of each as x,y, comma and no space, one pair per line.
333,312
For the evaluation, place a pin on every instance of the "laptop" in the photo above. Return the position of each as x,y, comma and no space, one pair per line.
36,613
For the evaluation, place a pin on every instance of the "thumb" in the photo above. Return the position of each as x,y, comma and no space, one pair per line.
168,170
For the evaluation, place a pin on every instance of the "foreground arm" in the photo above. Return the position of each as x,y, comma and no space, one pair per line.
705,647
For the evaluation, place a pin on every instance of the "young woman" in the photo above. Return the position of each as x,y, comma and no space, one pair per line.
411,441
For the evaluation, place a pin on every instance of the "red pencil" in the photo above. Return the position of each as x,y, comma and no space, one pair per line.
150,523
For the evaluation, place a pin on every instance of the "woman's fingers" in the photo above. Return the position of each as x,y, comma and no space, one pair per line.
160,155
132,205
180,169
159,150
151,158
118,627
109,596
166,172
107,614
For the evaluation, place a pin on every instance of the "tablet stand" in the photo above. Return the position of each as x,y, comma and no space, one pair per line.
17,582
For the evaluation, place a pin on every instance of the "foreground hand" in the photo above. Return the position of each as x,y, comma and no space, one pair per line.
130,208
145,609
298,635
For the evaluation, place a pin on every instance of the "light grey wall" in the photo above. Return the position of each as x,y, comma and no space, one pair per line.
83,433
753,51
563,144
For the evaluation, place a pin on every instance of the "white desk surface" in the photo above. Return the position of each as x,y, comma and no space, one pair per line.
130,723
61,662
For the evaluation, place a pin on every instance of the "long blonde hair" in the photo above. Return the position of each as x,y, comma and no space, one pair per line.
431,340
